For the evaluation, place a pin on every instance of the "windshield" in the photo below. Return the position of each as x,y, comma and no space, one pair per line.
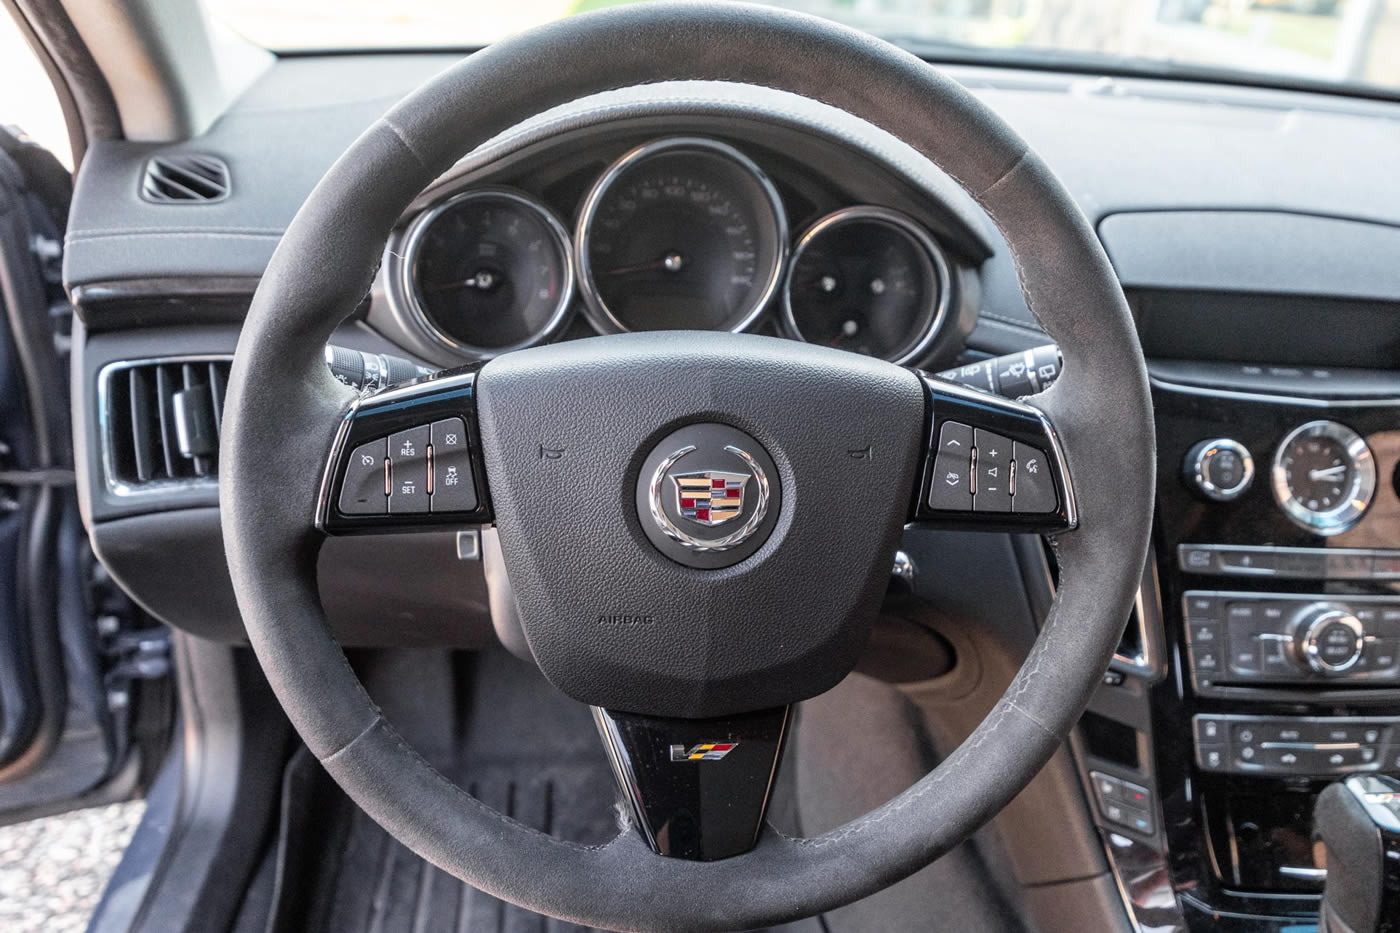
1349,43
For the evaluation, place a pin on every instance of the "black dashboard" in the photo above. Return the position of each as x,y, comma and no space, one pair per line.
1254,231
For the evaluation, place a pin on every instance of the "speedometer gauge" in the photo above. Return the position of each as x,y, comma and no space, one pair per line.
489,271
680,234
870,280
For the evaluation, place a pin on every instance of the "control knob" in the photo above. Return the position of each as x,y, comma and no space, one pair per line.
1328,638
1219,469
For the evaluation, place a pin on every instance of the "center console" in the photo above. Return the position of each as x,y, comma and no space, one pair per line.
1277,533
1262,662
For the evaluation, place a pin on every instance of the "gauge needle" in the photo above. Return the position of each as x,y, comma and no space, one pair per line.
848,329
671,262
1335,472
482,280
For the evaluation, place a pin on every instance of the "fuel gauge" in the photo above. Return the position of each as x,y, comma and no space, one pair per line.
869,280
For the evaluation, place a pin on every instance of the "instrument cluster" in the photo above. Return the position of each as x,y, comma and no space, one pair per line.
678,233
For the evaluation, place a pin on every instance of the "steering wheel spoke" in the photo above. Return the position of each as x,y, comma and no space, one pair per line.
698,788
993,464
407,458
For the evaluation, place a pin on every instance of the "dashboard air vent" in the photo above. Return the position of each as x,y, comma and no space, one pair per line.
162,421
185,178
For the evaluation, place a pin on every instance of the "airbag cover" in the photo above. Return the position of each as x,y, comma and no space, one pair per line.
614,622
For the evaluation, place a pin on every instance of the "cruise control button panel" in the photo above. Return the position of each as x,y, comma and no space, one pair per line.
407,457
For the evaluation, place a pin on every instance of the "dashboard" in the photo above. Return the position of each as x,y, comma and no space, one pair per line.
1253,231
673,233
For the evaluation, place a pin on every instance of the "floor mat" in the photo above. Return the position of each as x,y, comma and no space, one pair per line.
509,739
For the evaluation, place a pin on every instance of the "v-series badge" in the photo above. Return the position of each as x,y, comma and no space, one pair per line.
707,751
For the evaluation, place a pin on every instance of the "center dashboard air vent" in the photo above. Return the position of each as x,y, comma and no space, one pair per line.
185,178
161,422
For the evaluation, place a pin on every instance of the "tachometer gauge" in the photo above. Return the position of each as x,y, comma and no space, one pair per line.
1324,477
488,271
867,279
680,233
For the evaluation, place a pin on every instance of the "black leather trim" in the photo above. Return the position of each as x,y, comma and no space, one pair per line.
282,406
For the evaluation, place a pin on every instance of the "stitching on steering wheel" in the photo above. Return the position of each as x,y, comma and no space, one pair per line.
403,138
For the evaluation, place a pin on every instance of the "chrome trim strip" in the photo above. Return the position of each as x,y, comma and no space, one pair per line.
323,498
1148,661
1150,664
1323,573
903,568
594,307
114,485
1141,875
437,382
406,303
902,223
1358,495
1071,504
617,759
1240,395
669,528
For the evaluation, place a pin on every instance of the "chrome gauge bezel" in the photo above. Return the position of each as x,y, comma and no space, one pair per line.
1359,493
595,309
905,224
410,299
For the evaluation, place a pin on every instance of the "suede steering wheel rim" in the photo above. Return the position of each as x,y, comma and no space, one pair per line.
282,408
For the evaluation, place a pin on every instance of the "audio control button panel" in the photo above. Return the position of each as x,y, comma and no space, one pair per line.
1296,746
1256,639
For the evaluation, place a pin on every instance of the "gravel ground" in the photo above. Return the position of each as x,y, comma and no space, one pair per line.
53,870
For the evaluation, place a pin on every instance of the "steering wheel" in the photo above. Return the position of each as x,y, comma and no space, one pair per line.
698,527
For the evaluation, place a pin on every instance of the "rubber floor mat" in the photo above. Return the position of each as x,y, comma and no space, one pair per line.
496,728
516,744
